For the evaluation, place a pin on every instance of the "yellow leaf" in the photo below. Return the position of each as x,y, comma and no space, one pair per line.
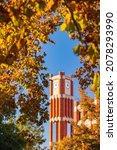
93,87
82,24
76,49
2,31
88,57
1,41
67,18
3,65
9,38
18,44
50,4
63,27
15,21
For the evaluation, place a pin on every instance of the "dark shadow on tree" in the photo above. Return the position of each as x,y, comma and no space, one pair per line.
10,139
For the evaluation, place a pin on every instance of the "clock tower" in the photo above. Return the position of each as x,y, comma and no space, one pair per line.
61,105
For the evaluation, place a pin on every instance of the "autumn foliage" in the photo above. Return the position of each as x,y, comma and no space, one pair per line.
86,132
24,25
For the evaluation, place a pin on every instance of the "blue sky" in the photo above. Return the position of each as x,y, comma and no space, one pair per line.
60,57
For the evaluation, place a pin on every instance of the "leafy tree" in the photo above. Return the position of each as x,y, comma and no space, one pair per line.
24,25
82,22
16,135
10,137
22,88
82,139
32,134
22,71
65,143
86,133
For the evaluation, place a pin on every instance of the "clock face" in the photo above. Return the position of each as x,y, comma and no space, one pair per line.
67,87
55,85
67,84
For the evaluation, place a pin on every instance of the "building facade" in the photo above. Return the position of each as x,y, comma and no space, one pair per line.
63,108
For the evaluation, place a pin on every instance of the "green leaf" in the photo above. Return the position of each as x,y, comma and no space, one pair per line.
79,27
70,28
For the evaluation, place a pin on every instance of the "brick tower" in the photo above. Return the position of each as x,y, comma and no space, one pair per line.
61,105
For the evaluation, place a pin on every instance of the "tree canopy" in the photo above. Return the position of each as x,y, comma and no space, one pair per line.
10,139
24,25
